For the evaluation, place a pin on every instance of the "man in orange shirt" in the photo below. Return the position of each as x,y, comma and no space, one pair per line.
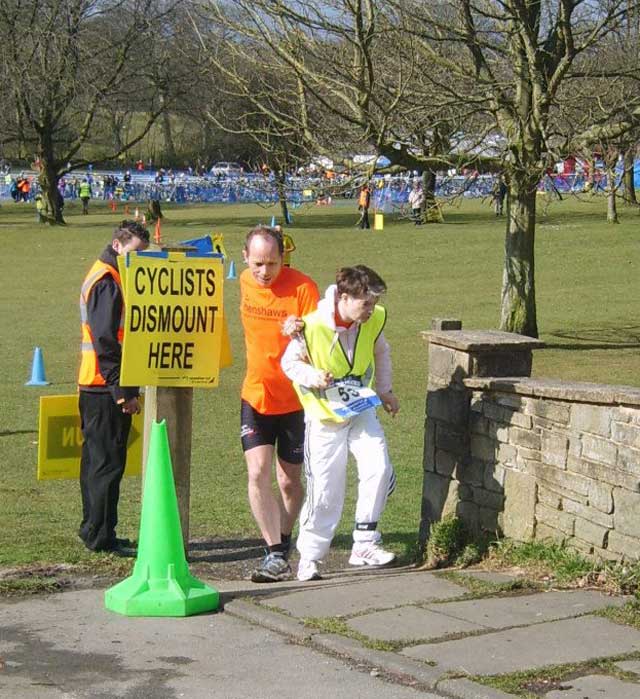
364,201
272,419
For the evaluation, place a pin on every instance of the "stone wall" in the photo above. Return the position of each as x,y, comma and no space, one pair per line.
528,458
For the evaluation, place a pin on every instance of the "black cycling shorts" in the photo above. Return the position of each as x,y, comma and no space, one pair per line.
286,430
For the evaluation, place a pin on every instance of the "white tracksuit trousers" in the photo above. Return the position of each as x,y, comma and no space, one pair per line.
327,447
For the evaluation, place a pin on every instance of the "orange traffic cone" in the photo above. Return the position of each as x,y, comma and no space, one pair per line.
157,236
113,205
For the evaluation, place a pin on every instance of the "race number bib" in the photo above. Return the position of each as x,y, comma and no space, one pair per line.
347,400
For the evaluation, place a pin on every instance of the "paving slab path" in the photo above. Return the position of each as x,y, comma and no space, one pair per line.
446,631
393,633
354,596
525,648
596,687
453,618
68,646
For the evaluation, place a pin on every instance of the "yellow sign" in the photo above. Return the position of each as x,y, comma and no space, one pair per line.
218,245
289,247
173,320
60,439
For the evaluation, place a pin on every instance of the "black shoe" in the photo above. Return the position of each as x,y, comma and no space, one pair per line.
117,549
121,551
126,543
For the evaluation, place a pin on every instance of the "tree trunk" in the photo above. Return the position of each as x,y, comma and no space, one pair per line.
282,196
628,178
612,210
206,142
591,175
169,146
49,184
432,210
117,121
518,308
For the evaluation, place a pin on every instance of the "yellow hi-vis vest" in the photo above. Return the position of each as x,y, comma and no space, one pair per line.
326,353
89,369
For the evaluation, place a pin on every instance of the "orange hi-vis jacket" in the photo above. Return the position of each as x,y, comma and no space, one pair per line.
89,369
364,198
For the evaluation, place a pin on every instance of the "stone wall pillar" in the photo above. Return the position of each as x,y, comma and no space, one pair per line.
450,474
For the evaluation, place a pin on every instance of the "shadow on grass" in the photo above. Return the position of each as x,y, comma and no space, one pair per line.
9,433
225,550
625,337
408,541
300,223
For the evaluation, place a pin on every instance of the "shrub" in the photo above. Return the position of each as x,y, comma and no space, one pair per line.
447,539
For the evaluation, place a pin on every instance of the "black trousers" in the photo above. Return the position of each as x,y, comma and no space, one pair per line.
105,429
364,220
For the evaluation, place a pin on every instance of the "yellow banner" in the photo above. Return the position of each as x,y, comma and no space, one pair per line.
174,320
60,439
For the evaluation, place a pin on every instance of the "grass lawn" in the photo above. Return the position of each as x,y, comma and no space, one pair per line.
587,292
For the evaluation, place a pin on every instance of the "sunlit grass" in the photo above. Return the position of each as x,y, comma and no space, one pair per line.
587,289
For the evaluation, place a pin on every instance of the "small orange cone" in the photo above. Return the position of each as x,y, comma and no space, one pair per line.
157,236
113,205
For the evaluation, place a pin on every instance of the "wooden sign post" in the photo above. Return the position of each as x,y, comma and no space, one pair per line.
174,340
175,405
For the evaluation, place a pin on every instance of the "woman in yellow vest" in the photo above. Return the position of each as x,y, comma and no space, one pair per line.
334,364
85,195
289,246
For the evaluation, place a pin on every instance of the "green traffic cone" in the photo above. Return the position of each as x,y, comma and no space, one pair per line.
160,584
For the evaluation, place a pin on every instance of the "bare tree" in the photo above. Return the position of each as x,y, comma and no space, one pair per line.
354,74
512,57
62,62
428,84
597,112
251,98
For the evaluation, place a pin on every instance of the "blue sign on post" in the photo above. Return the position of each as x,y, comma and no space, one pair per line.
202,245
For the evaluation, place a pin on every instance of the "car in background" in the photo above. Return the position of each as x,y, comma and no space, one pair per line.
226,169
